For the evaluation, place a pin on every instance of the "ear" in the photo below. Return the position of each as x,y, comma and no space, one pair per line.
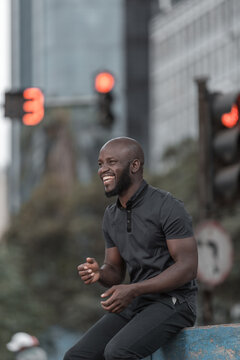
135,166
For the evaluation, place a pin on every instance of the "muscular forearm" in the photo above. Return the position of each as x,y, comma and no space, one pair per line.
119,296
110,276
170,279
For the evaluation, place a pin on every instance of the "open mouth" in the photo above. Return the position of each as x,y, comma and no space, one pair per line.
108,179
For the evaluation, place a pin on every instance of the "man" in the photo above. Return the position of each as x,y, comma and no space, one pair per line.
148,232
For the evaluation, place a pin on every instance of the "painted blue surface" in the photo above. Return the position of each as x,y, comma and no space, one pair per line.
219,342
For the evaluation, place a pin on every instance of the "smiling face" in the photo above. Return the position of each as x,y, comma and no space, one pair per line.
114,169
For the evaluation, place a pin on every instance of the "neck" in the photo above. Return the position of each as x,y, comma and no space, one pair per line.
123,198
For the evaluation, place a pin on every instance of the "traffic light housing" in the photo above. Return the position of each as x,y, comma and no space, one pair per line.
225,145
26,104
104,84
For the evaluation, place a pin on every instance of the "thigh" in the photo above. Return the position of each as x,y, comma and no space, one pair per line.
92,344
149,330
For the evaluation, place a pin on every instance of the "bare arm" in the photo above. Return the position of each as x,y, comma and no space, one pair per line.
112,271
184,269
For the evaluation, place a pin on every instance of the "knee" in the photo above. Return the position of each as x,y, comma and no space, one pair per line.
110,352
113,352
71,354
67,356
76,353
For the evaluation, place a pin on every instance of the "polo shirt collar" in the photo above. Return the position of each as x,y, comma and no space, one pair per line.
137,197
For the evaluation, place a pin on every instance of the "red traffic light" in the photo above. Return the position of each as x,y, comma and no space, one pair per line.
26,105
225,145
230,119
33,106
104,82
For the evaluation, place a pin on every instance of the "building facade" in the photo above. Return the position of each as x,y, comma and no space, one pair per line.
194,39
60,46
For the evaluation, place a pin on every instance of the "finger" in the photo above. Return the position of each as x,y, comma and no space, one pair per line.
90,260
108,302
85,272
107,293
89,281
82,266
107,308
112,308
85,277
117,309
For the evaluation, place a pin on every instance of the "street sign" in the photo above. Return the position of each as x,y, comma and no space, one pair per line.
215,253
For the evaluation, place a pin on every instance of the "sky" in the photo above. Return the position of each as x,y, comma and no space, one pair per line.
5,76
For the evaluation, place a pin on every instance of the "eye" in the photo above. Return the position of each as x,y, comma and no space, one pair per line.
112,162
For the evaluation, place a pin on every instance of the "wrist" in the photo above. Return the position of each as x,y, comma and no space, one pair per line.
100,273
135,289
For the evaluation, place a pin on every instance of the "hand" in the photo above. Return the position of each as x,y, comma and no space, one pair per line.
120,297
89,271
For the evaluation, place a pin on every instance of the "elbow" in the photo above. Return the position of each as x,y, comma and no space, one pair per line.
192,271
194,274
192,267
196,267
189,270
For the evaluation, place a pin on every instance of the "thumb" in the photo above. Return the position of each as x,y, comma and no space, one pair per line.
90,260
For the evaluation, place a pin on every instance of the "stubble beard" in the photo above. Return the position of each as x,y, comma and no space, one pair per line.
123,184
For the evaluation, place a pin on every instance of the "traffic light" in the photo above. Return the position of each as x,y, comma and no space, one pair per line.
26,104
225,146
104,84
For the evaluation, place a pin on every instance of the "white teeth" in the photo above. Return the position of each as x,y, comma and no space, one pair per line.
107,179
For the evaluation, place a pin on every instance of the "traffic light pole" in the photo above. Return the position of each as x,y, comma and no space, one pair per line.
205,152
205,178
219,167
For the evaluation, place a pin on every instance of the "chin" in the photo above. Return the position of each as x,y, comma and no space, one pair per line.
111,193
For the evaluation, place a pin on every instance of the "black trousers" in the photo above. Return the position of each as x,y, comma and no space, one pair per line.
138,331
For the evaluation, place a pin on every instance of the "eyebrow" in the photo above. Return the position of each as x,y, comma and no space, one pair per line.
109,159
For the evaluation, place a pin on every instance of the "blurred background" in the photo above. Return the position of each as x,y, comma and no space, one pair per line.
170,60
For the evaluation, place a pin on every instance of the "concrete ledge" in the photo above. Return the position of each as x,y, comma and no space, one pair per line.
218,342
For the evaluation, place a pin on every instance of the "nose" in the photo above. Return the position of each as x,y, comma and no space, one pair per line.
102,169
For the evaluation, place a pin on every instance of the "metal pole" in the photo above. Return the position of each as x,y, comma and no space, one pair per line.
205,177
205,152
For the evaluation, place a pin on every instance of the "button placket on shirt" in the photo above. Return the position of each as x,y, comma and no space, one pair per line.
129,219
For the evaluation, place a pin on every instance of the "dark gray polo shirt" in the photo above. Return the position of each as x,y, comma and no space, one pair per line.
140,232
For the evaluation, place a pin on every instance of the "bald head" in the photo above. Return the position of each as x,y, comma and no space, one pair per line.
121,167
129,146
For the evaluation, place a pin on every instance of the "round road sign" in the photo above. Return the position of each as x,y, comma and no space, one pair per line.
215,253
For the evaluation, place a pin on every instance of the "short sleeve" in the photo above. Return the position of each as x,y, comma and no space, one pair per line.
105,227
175,220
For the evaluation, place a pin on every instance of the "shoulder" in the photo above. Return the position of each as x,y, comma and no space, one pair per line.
163,197
156,193
166,202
